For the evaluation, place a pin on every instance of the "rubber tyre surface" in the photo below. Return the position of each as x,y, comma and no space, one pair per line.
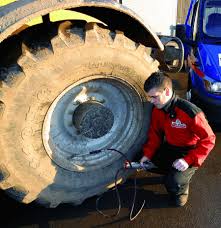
26,171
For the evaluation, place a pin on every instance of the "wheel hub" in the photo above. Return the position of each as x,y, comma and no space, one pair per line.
92,119
90,115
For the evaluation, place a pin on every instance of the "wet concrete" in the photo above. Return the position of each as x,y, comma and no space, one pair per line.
202,210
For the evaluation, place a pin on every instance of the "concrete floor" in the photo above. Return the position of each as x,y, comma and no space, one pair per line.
202,210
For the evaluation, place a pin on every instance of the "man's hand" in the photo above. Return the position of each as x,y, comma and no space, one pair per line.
144,159
180,164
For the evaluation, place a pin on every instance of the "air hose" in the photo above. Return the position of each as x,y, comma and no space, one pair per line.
129,165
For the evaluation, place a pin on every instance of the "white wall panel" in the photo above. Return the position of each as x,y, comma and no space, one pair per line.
159,14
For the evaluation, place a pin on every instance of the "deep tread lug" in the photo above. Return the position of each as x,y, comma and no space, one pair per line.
145,53
27,60
12,76
3,88
16,192
29,198
121,41
91,33
43,53
68,36
98,34
2,109
142,50
57,44
54,204
71,35
4,174
62,32
5,185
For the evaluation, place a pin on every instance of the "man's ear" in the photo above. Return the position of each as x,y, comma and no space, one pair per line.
167,92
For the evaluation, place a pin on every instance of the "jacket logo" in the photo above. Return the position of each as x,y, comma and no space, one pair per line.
178,124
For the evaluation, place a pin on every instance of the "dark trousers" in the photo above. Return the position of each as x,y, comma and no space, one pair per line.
176,182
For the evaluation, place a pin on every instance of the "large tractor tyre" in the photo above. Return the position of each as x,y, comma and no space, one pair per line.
66,97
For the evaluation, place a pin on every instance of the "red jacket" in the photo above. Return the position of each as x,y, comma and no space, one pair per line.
181,124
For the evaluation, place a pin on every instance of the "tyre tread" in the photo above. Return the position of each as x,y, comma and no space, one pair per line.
70,36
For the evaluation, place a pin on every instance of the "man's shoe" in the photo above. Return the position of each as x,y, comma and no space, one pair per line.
178,200
181,200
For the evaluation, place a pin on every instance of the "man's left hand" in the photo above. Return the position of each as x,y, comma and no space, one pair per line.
180,164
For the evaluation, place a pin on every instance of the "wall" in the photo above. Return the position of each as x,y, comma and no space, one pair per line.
182,9
159,14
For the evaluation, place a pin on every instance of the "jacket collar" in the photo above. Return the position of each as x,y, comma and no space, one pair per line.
169,106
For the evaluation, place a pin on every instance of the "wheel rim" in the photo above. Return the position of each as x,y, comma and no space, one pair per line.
91,115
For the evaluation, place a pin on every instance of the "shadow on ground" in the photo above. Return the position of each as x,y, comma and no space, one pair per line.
15,214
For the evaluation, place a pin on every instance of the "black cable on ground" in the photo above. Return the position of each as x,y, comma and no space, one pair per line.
117,191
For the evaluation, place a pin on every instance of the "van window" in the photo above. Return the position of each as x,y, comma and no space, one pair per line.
212,18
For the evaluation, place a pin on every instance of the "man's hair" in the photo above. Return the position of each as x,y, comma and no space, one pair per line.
158,80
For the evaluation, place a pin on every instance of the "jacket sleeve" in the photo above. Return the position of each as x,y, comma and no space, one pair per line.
205,143
155,135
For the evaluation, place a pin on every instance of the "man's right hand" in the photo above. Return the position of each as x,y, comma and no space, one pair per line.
144,159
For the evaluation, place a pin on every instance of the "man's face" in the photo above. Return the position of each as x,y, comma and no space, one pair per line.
158,97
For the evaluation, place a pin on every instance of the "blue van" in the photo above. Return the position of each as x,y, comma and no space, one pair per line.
201,36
